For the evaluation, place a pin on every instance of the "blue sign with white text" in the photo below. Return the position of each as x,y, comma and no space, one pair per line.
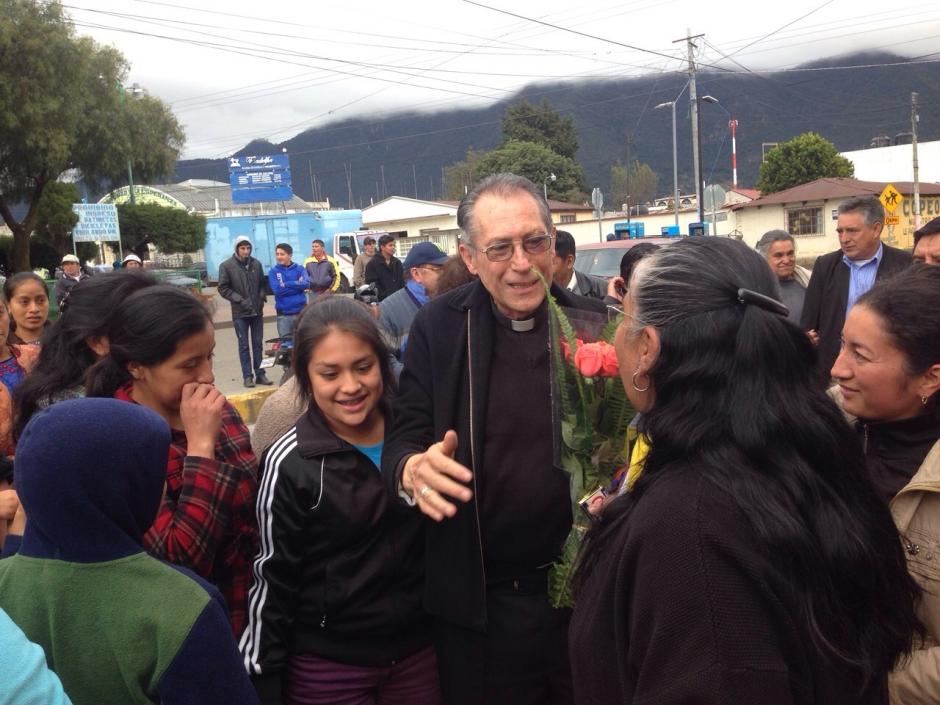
260,178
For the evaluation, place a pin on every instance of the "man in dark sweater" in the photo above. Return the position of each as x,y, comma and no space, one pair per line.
385,269
567,276
841,277
474,450
779,250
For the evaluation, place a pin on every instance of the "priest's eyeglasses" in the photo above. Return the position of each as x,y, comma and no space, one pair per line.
502,251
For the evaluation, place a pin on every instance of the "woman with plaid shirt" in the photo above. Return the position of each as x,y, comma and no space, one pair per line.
161,345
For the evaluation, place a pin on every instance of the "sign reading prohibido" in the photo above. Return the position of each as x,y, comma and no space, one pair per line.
257,179
97,222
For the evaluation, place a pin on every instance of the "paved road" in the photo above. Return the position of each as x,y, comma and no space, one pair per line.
228,371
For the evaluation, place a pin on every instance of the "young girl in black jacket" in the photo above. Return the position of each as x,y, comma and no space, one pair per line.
335,609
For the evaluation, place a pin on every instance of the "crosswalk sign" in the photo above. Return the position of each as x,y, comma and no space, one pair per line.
890,198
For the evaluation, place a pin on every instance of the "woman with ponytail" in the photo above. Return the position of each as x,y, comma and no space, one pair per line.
752,561
161,343
77,339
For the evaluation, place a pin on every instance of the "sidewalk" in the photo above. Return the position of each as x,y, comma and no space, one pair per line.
222,309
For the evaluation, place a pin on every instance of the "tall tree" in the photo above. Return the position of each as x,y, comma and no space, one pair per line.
170,230
537,163
633,185
458,177
805,158
525,122
55,217
61,107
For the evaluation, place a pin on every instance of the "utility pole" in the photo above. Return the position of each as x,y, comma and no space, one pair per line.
915,118
382,169
414,178
629,187
696,124
733,124
349,194
313,190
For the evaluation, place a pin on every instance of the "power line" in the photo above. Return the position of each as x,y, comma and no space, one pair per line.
583,34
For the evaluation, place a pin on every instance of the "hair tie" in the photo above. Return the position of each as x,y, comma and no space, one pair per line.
747,296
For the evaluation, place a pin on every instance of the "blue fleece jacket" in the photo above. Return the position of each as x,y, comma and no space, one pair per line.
288,285
116,625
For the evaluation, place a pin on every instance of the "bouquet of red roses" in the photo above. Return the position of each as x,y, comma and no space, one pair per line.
592,415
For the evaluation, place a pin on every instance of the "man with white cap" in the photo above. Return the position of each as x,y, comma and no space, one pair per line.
72,274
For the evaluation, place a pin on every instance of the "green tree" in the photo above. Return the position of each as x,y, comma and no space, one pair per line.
61,108
170,230
525,122
536,162
805,158
55,220
634,185
458,177
55,217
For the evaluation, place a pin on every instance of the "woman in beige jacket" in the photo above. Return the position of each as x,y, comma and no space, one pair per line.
888,375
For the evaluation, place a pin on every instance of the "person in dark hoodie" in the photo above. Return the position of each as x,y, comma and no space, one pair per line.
117,625
241,281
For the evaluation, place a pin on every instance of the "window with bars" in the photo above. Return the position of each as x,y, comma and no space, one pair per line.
805,221
567,218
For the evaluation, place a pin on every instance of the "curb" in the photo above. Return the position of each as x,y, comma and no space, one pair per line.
218,325
249,404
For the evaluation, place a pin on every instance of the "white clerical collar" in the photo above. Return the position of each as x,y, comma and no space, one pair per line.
524,325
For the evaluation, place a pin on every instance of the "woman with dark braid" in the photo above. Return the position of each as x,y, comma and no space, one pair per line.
752,561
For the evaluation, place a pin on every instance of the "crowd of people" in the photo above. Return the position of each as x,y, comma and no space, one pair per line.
384,535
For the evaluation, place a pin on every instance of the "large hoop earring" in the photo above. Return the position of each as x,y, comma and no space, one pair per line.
635,375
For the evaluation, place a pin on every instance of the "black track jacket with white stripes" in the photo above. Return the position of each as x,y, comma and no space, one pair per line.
341,569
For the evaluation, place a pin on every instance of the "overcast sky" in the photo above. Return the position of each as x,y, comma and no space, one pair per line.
238,70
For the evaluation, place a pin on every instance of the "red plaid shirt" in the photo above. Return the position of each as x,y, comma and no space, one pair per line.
207,519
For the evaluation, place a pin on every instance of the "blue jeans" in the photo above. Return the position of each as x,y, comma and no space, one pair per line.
285,325
255,327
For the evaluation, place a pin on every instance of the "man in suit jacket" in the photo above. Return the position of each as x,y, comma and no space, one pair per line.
841,277
566,276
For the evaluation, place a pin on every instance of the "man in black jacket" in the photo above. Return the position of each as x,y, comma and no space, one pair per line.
841,277
565,274
241,281
474,449
385,269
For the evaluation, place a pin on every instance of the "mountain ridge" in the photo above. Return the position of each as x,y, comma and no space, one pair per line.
848,106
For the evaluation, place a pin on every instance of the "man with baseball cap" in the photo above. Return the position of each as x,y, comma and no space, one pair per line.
423,267
72,274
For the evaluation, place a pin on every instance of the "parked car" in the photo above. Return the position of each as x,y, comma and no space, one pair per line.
602,259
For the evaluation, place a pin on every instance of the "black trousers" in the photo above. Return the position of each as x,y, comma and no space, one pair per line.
522,659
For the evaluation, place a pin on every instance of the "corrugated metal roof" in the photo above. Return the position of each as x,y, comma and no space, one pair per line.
837,187
202,196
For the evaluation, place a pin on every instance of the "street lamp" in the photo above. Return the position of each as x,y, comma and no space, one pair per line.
733,125
675,159
136,91
552,178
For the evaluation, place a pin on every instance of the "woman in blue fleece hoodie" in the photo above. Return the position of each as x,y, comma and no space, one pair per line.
288,281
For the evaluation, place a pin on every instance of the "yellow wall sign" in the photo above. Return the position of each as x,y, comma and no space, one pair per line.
890,198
